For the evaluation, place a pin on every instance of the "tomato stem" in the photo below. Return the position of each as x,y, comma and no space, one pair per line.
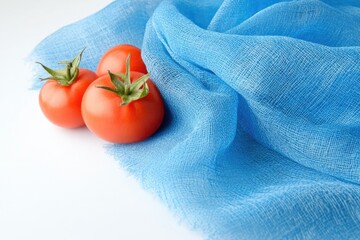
68,71
67,75
127,89
123,87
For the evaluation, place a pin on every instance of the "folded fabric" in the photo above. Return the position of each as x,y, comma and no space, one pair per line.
261,138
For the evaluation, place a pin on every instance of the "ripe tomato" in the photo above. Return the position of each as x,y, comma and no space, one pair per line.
60,97
123,116
114,60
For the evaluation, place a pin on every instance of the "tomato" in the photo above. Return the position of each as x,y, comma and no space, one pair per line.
60,97
118,116
115,60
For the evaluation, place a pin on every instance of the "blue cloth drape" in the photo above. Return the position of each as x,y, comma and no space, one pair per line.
261,138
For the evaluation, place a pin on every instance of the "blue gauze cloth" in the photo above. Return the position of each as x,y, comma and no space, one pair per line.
261,138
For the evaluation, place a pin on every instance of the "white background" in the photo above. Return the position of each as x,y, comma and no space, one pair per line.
58,184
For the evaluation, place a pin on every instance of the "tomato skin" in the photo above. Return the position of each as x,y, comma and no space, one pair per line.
61,105
115,60
130,123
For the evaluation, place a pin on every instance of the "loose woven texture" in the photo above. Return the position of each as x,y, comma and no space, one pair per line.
261,138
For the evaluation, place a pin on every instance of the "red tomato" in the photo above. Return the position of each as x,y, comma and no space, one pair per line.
107,118
115,60
60,97
62,104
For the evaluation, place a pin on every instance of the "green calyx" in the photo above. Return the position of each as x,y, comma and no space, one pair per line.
127,90
67,75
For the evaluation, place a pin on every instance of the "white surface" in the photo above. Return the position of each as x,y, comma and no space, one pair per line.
58,184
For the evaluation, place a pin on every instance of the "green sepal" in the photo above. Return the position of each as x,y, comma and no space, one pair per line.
118,83
138,83
108,88
123,87
135,95
67,75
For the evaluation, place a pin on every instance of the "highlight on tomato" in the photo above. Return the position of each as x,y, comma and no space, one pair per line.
60,97
123,108
114,60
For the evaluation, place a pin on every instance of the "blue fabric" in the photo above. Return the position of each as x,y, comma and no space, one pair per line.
261,138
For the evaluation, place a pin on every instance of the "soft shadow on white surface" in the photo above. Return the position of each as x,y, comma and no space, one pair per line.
56,183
